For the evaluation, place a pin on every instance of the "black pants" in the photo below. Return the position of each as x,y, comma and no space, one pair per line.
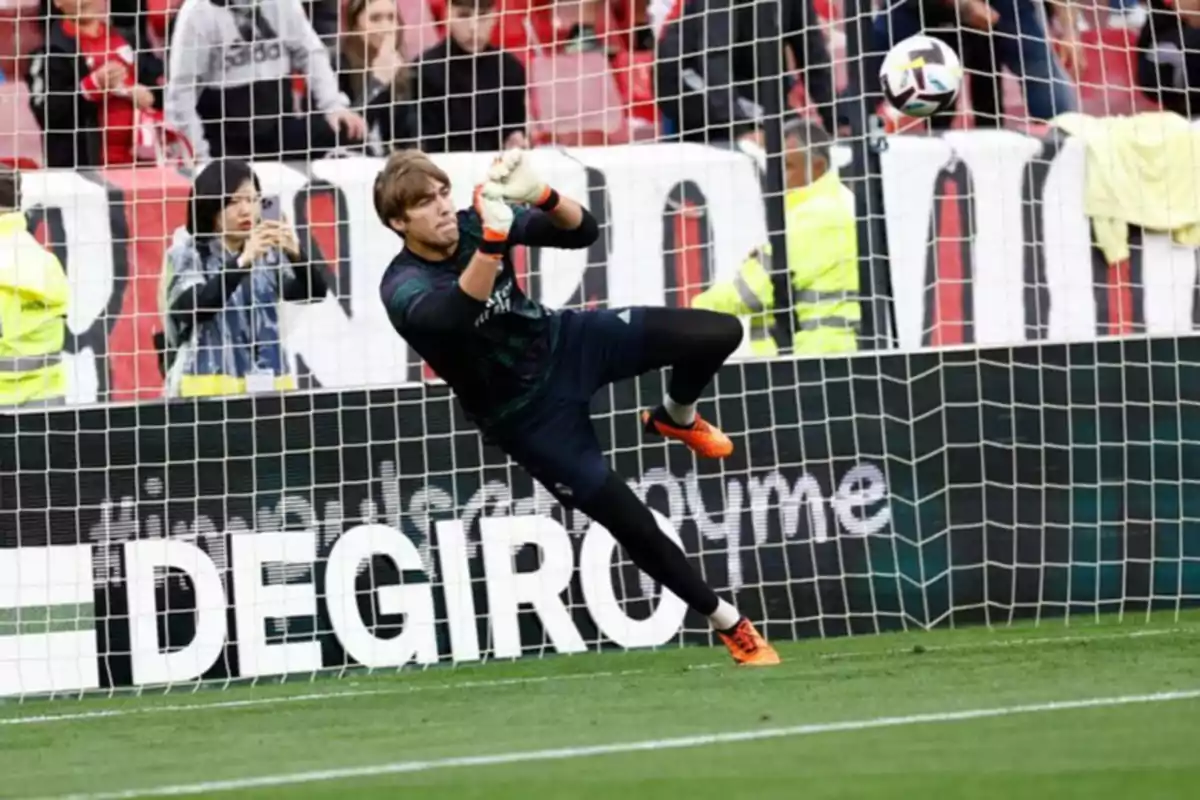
554,439
288,137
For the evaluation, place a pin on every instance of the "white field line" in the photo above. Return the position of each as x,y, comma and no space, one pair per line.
1005,643
566,753
337,694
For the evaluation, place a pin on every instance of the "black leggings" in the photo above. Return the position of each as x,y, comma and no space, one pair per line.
630,522
694,343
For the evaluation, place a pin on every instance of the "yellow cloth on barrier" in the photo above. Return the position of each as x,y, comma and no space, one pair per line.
1142,170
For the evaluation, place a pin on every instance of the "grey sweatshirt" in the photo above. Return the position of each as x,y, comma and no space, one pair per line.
230,61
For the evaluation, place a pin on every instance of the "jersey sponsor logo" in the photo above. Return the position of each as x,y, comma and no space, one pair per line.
243,54
499,303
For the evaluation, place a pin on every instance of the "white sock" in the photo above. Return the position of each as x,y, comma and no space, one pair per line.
725,617
683,414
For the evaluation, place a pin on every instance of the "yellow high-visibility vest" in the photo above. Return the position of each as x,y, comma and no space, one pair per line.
822,243
33,312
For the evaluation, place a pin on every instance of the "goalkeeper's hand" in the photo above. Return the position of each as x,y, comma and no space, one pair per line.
496,214
517,180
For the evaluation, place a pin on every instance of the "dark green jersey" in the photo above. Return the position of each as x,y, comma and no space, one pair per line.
497,354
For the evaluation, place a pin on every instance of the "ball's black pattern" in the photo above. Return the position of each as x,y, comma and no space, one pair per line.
925,55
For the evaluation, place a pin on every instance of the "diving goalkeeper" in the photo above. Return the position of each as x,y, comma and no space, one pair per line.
525,374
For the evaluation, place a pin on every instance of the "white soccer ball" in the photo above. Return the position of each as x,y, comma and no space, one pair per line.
921,76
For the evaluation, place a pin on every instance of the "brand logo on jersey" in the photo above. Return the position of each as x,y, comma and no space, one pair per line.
499,303
242,54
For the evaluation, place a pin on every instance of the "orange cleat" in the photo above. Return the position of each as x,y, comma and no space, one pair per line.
706,441
748,647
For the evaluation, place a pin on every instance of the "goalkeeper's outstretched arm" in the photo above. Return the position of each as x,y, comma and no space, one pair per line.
568,226
556,221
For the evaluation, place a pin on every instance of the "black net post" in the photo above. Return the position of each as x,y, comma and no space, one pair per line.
864,176
769,62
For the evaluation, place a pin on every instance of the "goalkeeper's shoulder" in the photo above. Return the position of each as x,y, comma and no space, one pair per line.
400,281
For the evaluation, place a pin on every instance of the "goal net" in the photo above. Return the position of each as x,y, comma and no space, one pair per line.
980,414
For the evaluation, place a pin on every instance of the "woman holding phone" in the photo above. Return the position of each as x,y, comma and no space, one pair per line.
225,275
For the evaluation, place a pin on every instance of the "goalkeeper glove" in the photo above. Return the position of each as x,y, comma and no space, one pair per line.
516,178
496,215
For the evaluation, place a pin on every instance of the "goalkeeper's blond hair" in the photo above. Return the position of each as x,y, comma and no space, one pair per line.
405,180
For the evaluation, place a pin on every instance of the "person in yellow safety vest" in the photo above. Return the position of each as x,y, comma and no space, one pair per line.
33,309
822,245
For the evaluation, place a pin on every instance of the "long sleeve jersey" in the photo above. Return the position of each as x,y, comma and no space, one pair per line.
495,354
230,62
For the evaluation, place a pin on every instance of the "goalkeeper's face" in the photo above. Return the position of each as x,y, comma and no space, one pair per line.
430,219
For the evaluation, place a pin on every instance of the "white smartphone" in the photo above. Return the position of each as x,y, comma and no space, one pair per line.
270,208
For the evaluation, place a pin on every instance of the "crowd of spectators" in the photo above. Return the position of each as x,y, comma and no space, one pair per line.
268,78
113,82
221,83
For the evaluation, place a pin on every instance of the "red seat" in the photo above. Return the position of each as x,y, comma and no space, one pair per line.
828,9
158,18
634,73
576,100
613,30
20,34
20,136
1108,85
512,28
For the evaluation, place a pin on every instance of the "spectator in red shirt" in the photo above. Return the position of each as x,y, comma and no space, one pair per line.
85,84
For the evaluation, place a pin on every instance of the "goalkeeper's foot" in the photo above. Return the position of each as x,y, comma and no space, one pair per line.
706,441
748,647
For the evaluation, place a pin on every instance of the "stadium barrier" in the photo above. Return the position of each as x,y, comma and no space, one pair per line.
161,543
675,218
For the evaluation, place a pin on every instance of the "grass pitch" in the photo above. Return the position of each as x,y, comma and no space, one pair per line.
889,716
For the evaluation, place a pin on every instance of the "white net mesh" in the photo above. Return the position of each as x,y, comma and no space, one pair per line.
350,517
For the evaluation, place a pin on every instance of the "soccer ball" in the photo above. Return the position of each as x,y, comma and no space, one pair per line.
921,76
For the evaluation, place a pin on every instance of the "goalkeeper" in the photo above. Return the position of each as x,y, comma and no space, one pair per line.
525,374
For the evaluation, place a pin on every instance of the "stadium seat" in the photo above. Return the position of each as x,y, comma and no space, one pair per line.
576,100
1108,85
634,74
524,29
20,136
158,18
612,30
512,32
20,34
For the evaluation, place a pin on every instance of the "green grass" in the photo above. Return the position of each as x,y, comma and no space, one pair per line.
1143,750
